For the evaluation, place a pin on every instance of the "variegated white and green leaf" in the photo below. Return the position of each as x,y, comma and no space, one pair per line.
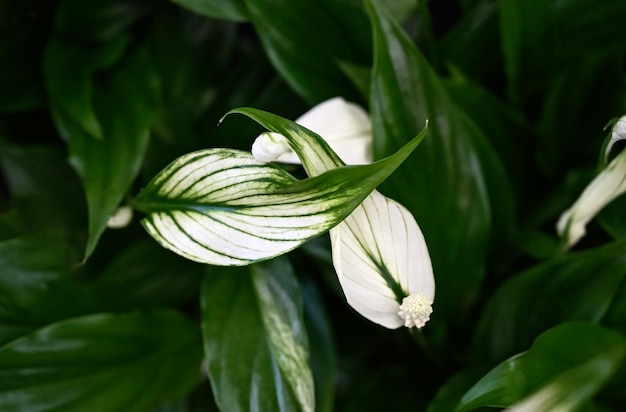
223,207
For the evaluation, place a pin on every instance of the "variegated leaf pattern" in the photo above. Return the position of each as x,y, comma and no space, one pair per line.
222,207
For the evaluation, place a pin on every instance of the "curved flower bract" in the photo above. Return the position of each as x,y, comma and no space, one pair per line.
378,251
381,259
608,185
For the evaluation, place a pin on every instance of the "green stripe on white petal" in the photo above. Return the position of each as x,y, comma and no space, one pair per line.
223,207
381,257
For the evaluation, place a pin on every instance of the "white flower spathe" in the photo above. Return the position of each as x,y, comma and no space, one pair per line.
380,256
345,126
608,185
378,251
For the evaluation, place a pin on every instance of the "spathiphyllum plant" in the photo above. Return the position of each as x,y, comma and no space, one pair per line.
162,251
227,207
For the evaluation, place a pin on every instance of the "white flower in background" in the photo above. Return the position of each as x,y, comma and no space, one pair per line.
345,126
379,252
609,184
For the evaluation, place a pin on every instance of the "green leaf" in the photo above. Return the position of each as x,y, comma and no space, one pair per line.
234,10
451,392
99,20
36,285
323,358
118,362
69,70
310,63
564,368
576,286
473,45
443,184
44,200
143,276
587,26
255,341
109,166
223,207
528,43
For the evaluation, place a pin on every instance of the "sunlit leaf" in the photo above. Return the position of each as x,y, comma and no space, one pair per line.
565,366
254,338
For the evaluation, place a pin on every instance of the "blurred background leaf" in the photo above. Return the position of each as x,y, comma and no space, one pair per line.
221,9
125,103
36,286
576,286
310,63
568,364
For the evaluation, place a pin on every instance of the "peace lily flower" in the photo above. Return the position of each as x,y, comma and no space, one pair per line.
345,126
379,252
608,185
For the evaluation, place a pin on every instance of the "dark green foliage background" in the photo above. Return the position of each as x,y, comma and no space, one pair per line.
97,97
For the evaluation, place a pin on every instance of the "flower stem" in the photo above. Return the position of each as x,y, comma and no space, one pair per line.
421,341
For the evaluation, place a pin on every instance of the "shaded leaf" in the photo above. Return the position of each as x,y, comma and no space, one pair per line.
448,170
528,43
44,200
254,338
99,20
285,29
108,167
323,356
145,276
117,362
565,366
220,9
36,284
576,286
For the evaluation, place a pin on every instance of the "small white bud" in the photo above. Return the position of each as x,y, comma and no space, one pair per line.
269,147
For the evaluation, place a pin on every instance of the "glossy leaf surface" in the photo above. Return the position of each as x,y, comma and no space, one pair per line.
562,374
223,207
126,362
254,339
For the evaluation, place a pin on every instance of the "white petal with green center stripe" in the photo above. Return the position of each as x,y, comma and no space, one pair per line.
381,257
